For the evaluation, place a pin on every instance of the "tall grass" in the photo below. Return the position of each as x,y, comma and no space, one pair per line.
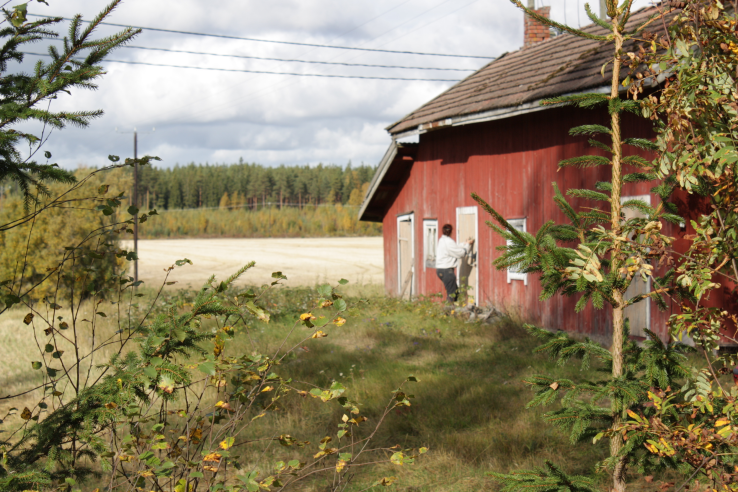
310,221
469,406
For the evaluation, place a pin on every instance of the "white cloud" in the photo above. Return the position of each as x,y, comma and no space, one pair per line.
272,119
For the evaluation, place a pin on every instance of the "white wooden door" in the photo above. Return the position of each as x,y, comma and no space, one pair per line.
639,314
405,256
468,273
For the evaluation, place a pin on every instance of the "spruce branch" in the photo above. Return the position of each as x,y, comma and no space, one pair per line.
585,161
588,100
562,27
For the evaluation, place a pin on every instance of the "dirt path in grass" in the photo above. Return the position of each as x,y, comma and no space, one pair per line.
303,261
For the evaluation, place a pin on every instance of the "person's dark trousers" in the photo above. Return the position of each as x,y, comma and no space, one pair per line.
448,277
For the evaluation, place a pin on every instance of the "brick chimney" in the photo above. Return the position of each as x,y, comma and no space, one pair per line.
535,32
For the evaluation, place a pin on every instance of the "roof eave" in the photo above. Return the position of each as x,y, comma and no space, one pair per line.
491,115
384,165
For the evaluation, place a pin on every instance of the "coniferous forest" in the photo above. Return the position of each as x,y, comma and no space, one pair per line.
251,186
251,200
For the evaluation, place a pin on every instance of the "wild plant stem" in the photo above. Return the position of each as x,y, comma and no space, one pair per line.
618,320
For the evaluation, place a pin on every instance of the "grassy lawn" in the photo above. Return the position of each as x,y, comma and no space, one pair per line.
469,405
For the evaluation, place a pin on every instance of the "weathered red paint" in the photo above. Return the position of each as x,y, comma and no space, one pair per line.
512,164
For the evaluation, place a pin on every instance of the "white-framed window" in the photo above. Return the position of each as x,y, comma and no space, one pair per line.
513,273
430,242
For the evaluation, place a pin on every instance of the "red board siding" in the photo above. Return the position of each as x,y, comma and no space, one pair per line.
512,164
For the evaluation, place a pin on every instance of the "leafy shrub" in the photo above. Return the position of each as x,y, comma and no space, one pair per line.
32,250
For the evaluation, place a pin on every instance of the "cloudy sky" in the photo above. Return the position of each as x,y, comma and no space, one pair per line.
218,117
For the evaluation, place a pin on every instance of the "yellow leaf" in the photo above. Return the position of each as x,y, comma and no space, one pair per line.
267,388
339,321
340,466
722,422
554,386
387,481
215,457
29,317
26,414
306,316
319,334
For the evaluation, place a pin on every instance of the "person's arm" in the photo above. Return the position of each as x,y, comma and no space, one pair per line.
456,251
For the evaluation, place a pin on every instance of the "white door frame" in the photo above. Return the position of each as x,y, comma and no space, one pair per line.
473,210
405,218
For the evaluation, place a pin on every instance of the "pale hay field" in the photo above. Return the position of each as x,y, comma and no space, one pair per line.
305,261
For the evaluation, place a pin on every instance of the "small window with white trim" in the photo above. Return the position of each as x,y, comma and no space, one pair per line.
430,242
513,273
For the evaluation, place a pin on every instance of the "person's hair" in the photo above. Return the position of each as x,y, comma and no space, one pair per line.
447,229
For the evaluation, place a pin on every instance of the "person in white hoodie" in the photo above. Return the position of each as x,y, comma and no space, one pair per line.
448,254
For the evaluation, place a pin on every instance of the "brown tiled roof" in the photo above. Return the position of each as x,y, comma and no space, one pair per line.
562,65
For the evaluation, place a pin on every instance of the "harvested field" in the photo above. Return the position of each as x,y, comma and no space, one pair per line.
305,261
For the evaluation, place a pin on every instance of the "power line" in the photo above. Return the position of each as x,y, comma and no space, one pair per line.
300,61
292,43
295,74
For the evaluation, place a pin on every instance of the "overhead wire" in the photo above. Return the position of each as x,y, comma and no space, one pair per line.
273,41
269,90
317,62
432,22
295,74
370,20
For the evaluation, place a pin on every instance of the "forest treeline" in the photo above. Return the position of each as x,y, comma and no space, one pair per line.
327,220
252,186
246,200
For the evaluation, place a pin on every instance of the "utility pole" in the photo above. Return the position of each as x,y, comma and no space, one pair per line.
135,200
135,204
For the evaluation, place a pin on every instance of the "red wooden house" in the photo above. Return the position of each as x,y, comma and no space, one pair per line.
489,134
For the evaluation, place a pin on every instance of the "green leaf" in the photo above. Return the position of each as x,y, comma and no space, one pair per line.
132,210
36,365
207,368
196,474
325,290
10,299
340,305
113,158
343,281
156,341
257,311
150,371
18,17
103,189
49,348
179,334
